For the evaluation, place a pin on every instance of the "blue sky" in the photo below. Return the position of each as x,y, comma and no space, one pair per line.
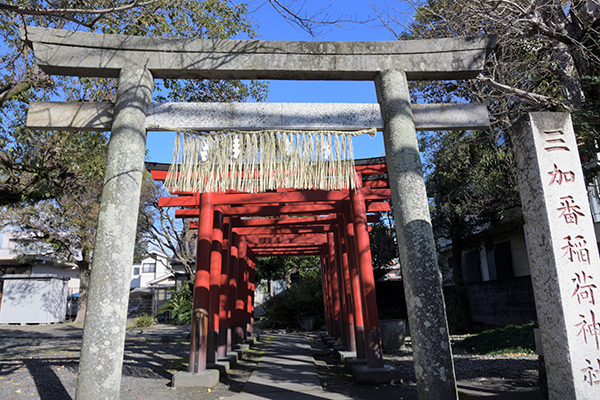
271,26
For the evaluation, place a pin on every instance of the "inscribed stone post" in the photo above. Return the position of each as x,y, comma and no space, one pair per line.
563,255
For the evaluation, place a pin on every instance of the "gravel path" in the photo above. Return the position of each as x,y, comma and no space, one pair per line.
40,362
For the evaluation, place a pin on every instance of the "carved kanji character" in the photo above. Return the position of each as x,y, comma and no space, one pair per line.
569,210
558,176
584,290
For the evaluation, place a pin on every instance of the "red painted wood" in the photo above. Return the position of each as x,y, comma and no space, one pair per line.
287,239
279,197
375,169
240,305
216,261
233,276
337,331
377,184
379,206
363,249
224,295
268,210
201,298
284,221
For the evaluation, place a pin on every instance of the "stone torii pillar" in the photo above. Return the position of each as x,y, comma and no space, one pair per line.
421,275
101,358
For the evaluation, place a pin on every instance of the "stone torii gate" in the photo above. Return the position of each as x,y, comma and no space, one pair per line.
137,61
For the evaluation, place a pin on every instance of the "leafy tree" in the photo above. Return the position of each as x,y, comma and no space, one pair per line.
302,299
68,223
179,305
282,267
546,59
50,181
31,166
384,247
169,234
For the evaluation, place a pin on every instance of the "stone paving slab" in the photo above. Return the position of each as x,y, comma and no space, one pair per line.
287,372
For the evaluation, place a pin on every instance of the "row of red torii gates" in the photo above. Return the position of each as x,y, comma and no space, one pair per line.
330,224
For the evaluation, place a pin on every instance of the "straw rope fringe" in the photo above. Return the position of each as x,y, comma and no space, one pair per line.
257,161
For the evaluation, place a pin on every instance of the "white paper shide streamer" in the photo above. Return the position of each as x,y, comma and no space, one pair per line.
258,161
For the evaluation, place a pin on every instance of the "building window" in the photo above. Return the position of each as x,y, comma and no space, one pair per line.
471,267
136,270
147,267
499,260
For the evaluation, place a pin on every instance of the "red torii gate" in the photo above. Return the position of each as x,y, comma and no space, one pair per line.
330,224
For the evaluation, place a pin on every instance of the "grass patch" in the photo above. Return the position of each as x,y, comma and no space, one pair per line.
508,340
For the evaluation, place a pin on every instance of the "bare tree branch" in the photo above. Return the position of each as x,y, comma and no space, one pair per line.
80,11
522,94
306,23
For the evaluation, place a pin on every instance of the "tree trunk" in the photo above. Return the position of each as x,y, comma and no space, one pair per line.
459,314
84,280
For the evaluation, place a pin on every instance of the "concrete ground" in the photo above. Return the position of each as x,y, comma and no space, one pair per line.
40,362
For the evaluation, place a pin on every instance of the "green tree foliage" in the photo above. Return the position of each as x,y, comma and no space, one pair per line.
32,167
179,305
546,60
302,299
50,181
282,267
384,247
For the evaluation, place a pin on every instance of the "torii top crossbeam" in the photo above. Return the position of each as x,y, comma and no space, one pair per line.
63,52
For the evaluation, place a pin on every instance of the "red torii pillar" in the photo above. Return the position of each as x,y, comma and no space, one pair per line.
224,311
240,307
335,293
325,285
216,261
345,252
342,291
251,288
233,284
372,333
201,297
356,287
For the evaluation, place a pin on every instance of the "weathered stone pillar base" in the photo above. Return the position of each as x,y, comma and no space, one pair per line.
104,330
420,272
205,379
376,376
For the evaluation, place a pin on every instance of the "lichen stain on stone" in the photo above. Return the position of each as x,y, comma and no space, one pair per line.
419,370
415,302
443,376
427,324
113,380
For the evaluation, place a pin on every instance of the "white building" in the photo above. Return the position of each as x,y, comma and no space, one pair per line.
13,244
155,270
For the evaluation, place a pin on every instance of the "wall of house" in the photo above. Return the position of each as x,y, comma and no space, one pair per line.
502,302
141,276
66,271
498,282
41,266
